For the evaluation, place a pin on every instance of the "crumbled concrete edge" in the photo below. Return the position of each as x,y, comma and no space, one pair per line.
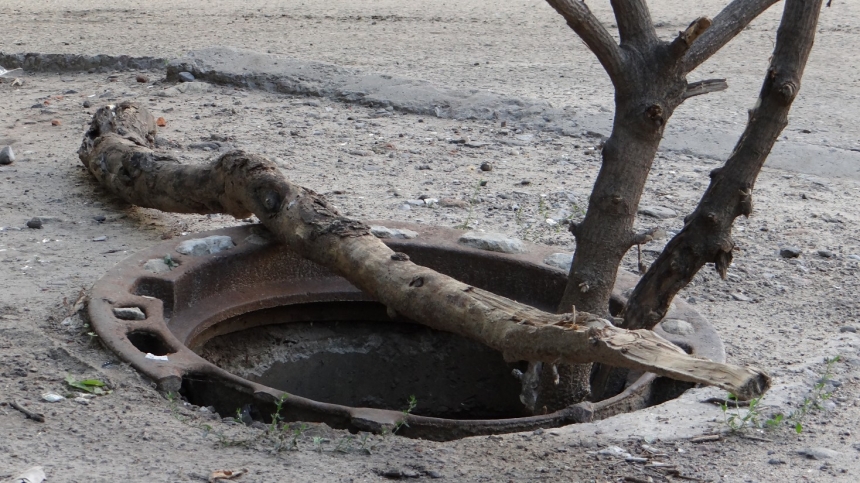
285,75
36,62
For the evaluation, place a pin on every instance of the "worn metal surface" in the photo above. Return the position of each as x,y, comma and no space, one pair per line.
203,296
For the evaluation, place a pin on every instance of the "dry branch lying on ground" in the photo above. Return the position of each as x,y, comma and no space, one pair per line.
117,151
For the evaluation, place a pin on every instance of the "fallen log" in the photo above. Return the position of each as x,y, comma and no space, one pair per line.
117,150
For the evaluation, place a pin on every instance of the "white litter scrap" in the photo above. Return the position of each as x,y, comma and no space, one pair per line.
4,71
155,357
33,475
52,398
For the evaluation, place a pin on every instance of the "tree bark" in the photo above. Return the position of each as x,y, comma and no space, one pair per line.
731,21
117,151
707,234
649,84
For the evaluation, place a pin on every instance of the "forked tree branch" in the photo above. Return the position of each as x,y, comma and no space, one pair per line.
706,236
594,34
634,22
117,151
724,27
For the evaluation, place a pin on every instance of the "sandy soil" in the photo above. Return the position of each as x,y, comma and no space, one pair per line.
786,315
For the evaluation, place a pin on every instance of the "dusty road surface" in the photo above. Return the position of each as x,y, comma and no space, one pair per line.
784,314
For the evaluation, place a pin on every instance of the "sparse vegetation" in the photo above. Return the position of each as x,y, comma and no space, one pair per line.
750,417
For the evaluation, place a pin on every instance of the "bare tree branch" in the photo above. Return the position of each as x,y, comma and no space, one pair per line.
594,34
634,22
117,151
706,236
705,87
724,27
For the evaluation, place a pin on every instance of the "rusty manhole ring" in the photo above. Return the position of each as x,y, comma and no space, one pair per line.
217,304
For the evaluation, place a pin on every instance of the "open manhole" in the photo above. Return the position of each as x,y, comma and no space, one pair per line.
231,320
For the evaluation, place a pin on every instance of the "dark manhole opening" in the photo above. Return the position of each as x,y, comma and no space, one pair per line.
148,342
226,398
356,356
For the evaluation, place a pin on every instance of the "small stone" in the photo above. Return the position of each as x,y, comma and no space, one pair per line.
494,242
485,166
399,233
825,254
453,203
615,451
416,202
87,104
156,265
205,246
740,297
100,238
56,122
789,252
129,313
854,257
660,212
776,461
818,453
34,223
141,78
186,77
848,328
559,260
7,155
434,474
677,327
257,239
207,146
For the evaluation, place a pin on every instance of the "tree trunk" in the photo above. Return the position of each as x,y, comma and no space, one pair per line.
116,150
652,90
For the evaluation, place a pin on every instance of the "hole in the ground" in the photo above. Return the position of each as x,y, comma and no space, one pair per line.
684,346
354,355
616,305
149,342
226,398
156,288
664,389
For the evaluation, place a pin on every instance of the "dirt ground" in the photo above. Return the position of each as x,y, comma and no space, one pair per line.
783,314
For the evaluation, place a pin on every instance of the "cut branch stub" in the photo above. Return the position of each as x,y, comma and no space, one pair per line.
705,87
239,183
685,38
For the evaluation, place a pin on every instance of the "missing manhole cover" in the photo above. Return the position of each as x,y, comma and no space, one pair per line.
240,328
